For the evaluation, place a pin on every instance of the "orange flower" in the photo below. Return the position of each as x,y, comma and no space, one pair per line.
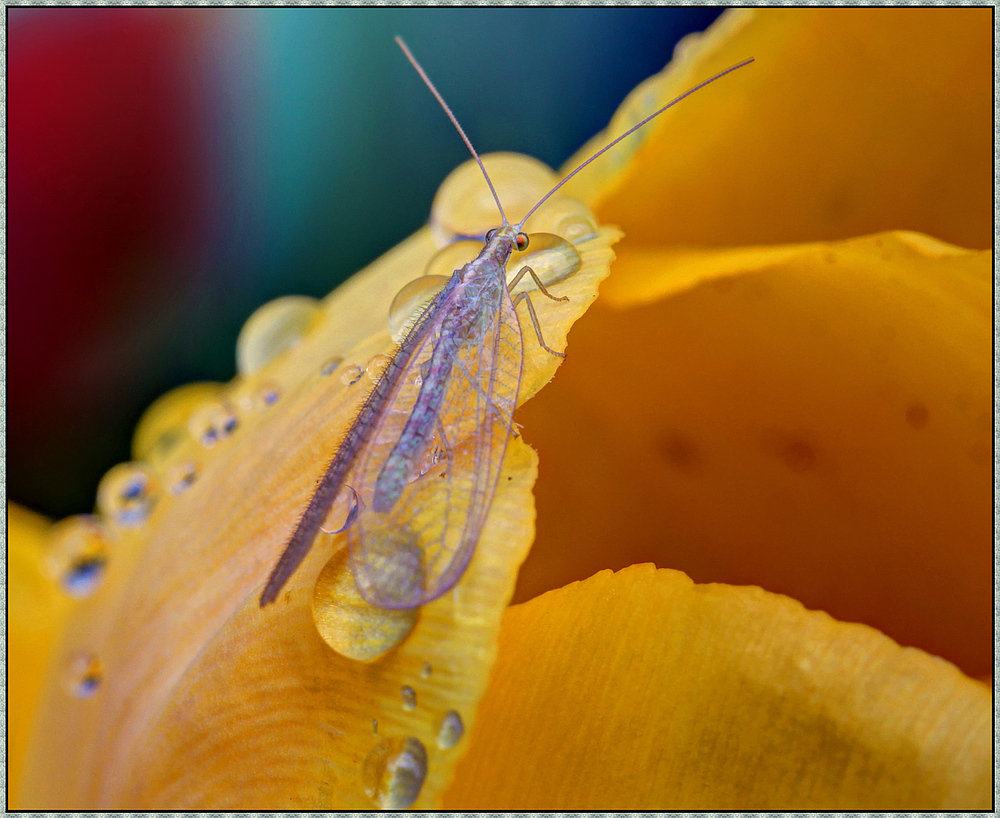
810,418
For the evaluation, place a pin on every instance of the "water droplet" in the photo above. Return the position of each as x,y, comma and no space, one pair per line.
127,494
330,365
180,477
550,256
212,422
410,301
463,205
425,671
450,731
83,674
452,257
394,772
350,375
409,697
76,553
163,426
374,726
274,329
376,366
350,625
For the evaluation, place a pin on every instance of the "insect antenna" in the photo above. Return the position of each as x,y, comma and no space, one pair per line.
631,130
454,121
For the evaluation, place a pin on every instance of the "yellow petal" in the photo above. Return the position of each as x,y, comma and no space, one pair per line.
850,121
641,690
207,700
35,612
815,420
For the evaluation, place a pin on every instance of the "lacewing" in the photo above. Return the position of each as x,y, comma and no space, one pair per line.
423,456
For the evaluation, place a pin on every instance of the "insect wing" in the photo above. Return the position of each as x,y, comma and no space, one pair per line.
418,549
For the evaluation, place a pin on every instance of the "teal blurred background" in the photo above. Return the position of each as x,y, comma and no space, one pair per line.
169,170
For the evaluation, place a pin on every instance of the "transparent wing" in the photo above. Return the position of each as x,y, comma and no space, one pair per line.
413,552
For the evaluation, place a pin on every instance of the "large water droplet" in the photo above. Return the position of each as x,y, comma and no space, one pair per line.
350,625
163,426
350,375
569,218
410,302
409,698
274,329
212,422
450,730
464,207
127,493
83,674
76,553
550,256
453,257
394,772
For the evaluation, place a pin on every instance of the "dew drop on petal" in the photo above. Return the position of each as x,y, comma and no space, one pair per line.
164,425
350,375
273,329
83,674
376,366
568,218
550,256
452,257
127,493
450,731
464,207
347,623
426,670
394,771
181,476
76,554
213,422
410,302
409,698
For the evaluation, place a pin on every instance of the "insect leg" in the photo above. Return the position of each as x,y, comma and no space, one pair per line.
493,407
514,281
534,322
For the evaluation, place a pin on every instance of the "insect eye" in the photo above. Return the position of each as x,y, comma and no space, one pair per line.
522,241
490,233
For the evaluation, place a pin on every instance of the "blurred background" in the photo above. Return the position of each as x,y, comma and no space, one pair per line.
169,170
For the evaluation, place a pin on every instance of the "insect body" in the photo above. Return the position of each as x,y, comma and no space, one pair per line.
424,453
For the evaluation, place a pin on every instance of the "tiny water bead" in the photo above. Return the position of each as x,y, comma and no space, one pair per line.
393,773
550,256
213,422
463,206
450,731
329,366
76,553
273,329
409,698
411,301
347,623
376,366
181,476
127,493
351,374
163,426
83,674
426,670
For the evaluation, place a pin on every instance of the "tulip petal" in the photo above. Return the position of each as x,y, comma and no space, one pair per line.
850,121
35,613
642,690
815,420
